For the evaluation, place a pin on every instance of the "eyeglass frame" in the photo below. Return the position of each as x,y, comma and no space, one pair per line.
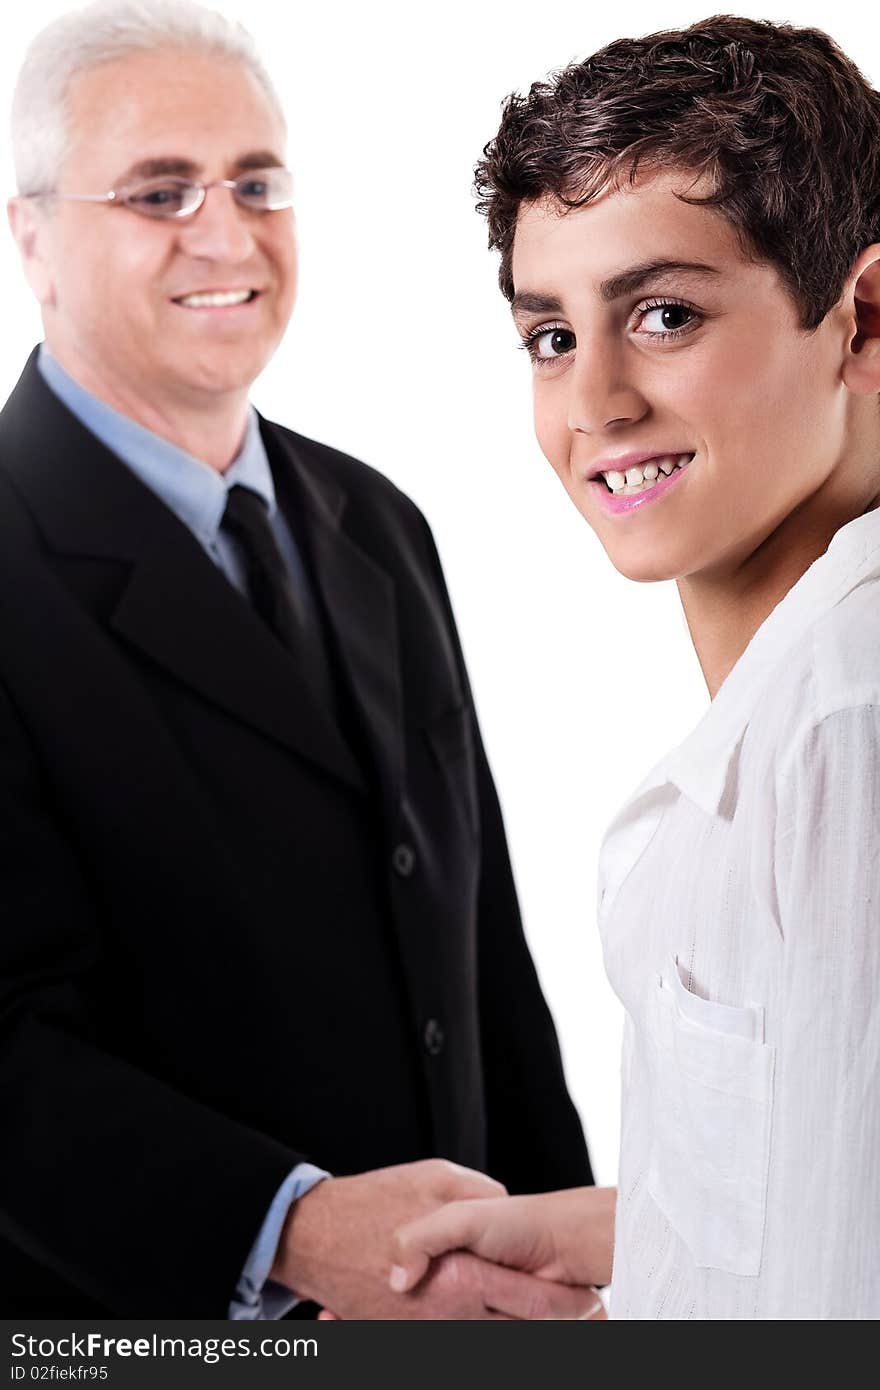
118,196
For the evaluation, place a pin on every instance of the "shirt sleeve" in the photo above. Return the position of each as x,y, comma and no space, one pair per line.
822,1249
257,1297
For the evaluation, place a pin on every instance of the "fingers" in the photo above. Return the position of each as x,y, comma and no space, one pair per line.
525,1296
326,1316
462,1285
456,1226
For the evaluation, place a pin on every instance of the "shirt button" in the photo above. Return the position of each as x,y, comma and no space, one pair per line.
403,860
435,1038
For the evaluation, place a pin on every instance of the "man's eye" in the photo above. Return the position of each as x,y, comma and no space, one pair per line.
254,188
552,343
165,197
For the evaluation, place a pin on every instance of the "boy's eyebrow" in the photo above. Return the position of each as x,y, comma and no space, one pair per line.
632,279
624,282
527,302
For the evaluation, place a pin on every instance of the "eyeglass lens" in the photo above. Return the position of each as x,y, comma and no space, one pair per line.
261,190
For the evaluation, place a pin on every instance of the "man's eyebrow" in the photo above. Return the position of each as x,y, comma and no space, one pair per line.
615,287
187,168
258,159
155,168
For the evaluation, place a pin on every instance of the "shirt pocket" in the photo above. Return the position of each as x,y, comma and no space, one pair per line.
713,1099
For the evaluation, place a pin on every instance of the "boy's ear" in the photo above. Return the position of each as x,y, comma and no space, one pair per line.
29,225
861,369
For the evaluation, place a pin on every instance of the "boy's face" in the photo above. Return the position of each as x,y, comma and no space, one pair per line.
723,374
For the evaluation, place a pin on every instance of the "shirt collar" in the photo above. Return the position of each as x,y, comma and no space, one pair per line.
700,766
191,488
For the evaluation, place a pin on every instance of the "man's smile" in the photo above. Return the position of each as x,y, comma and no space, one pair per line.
217,299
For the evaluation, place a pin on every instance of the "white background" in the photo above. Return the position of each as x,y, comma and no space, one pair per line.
401,351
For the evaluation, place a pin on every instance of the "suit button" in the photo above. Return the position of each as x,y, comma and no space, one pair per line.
403,860
435,1038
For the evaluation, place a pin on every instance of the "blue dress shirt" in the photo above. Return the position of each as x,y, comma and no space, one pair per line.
196,493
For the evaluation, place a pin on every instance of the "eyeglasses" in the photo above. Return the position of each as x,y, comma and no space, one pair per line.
259,190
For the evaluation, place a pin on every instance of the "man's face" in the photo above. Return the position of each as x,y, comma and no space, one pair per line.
724,373
114,278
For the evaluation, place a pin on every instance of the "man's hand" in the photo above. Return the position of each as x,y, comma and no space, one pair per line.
337,1248
564,1236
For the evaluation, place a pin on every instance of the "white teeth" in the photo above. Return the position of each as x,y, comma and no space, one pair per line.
219,300
634,478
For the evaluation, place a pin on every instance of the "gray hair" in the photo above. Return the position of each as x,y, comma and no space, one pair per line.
100,33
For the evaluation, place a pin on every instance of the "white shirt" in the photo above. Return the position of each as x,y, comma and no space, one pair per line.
739,908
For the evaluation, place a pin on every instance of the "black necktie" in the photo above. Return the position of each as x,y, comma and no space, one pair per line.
273,595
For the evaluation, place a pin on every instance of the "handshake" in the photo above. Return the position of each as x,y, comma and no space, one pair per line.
433,1240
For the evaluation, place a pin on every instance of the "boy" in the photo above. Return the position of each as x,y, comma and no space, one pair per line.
689,227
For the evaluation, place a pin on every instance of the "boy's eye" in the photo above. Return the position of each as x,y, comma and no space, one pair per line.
661,314
553,343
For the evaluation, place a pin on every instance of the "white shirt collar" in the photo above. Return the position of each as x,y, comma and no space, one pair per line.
700,766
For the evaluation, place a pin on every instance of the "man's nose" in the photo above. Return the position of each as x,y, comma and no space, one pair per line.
220,230
601,391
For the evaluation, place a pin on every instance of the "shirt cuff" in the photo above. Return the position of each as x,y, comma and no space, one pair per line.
257,1297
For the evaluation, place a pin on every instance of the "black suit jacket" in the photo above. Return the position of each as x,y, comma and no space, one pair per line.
231,940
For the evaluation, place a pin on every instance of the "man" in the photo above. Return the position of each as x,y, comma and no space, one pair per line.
259,921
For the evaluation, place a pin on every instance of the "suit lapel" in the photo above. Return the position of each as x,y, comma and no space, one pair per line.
358,599
177,608
218,646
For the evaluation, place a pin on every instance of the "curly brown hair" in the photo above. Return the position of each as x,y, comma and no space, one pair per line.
783,122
